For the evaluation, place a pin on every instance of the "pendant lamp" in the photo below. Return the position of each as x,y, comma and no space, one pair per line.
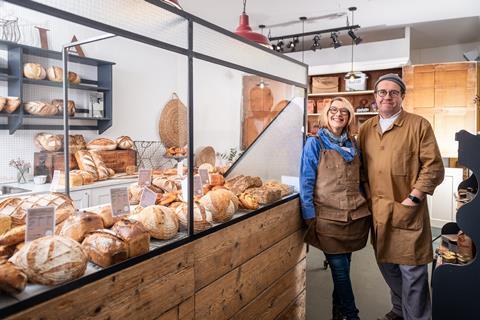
173,3
352,74
244,30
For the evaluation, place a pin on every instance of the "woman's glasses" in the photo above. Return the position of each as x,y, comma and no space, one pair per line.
334,110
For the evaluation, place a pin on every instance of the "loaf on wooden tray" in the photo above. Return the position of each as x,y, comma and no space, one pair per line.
48,142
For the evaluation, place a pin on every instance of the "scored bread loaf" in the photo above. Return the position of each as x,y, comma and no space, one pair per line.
78,225
34,71
102,170
102,144
12,104
51,260
221,203
5,223
164,184
105,248
12,279
70,105
75,179
40,108
136,237
202,218
85,162
76,142
248,201
134,193
105,213
48,142
13,236
241,183
125,142
73,77
87,177
161,222
56,74
265,195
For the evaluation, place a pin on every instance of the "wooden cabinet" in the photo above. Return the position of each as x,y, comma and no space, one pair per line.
445,95
359,99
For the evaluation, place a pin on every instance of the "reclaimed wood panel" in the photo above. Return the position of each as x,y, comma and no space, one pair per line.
220,252
184,311
146,290
225,297
295,311
270,303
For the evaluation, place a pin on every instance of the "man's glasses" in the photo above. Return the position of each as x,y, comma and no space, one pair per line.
383,93
334,110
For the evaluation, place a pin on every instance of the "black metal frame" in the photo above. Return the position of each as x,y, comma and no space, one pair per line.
191,54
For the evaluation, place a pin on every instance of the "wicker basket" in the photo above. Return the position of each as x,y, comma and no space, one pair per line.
173,126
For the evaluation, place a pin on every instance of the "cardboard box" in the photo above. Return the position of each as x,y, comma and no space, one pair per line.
324,84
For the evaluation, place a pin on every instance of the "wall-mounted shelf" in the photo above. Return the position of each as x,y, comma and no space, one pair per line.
18,54
372,113
340,94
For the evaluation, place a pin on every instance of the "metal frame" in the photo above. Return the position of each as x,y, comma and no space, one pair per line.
191,55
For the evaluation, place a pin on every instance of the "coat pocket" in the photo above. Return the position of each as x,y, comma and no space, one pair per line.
407,217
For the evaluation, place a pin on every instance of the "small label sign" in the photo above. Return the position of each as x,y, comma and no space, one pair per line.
185,189
204,176
55,181
144,177
197,185
40,223
119,201
180,168
148,198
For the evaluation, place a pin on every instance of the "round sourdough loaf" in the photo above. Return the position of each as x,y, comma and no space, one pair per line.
125,142
102,144
51,260
161,222
202,217
77,226
222,203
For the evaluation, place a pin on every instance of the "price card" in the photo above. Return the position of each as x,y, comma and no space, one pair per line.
185,190
205,178
180,168
40,223
197,185
119,201
148,198
144,177
55,181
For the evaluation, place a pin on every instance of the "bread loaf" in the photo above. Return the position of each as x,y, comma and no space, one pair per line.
73,77
207,166
102,170
40,108
125,142
78,225
216,179
105,213
51,260
76,142
248,201
105,248
265,195
164,184
5,223
12,279
70,105
221,203
241,183
284,189
134,193
48,142
161,222
3,102
202,218
75,179
12,104
7,251
13,236
34,71
102,144
87,177
85,162
135,236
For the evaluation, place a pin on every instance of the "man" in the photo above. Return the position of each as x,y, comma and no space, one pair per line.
403,165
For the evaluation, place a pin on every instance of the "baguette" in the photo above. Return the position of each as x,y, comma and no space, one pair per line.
102,170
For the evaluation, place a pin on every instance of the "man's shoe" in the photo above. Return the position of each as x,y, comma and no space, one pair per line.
391,316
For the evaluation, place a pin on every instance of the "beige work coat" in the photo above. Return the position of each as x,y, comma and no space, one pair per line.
404,157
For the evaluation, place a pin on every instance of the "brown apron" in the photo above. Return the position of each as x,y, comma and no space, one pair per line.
342,217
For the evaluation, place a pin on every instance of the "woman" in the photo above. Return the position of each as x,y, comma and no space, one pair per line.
333,206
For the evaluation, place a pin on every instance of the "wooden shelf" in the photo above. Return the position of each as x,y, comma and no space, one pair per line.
60,85
344,93
314,114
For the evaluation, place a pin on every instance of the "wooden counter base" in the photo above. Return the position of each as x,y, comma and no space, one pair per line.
254,269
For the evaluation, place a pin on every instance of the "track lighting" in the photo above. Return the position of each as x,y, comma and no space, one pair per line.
279,46
335,42
356,39
316,43
291,45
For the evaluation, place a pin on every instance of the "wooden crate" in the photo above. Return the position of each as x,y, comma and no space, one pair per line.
324,84
47,162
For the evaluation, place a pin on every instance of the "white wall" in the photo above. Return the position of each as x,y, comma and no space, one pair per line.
442,54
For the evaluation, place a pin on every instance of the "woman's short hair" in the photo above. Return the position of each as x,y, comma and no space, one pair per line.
346,104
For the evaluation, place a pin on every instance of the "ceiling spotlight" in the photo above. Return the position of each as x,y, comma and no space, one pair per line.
279,46
335,42
356,39
291,45
316,43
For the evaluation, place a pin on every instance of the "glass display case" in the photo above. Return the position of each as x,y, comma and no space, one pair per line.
196,126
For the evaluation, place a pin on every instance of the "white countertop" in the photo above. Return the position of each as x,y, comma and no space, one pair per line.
40,188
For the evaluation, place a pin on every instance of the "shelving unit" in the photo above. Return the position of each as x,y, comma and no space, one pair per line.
340,94
16,82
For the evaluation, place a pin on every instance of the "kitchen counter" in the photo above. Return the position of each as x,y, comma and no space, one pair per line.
40,188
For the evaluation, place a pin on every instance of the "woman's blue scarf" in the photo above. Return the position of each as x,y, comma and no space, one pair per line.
343,145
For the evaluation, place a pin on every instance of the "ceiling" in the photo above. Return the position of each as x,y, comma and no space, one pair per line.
433,23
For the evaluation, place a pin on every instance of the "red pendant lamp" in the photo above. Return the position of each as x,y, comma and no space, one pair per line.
173,3
244,30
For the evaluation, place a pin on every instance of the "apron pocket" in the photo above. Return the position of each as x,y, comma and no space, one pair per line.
407,217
